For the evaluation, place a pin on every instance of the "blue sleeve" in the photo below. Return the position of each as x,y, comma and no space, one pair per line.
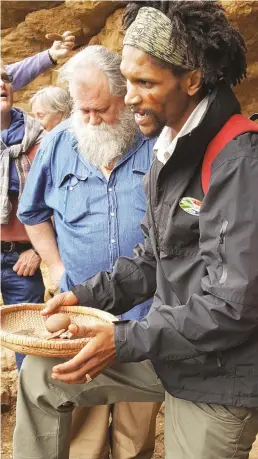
25,71
32,208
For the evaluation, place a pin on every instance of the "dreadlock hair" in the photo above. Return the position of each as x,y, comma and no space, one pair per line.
213,45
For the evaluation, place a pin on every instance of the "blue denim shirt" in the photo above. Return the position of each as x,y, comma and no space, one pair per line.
96,219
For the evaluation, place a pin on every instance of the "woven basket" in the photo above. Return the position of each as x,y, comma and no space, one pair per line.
27,316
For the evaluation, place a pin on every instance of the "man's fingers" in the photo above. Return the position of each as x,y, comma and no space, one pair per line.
78,376
54,36
68,36
92,369
63,299
53,304
32,271
26,271
17,265
84,332
67,45
67,33
75,363
19,268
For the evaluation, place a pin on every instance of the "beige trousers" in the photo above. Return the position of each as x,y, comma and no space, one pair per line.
208,431
192,430
132,431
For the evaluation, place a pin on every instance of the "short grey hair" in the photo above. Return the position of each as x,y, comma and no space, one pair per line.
106,61
54,100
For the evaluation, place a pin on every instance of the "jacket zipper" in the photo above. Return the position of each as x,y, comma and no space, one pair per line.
222,251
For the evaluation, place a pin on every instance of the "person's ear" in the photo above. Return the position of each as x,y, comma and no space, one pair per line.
193,81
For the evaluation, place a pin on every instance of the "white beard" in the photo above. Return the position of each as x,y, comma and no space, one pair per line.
103,144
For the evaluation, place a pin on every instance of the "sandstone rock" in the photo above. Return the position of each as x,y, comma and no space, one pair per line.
7,360
92,14
111,36
84,19
14,12
9,376
5,397
99,22
244,15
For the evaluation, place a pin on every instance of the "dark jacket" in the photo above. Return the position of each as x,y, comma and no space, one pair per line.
201,333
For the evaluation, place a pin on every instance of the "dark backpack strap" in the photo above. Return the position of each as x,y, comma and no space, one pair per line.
235,126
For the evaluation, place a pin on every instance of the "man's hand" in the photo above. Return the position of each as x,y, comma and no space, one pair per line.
97,355
61,49
27,263
63,299
55,272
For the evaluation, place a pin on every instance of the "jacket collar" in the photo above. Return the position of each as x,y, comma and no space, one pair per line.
190,148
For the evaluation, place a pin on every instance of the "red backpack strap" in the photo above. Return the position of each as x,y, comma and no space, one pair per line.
235,126
32,152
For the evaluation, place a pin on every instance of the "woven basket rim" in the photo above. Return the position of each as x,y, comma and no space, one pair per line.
38,345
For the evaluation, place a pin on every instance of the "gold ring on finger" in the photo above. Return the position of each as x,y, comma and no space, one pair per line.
88,378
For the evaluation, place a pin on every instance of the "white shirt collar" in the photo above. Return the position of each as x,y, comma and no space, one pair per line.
164,147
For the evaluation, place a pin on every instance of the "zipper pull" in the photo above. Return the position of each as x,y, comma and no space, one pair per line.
218,361
221,238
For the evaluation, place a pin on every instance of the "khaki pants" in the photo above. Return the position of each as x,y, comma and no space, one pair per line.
202,431
132,431
192,430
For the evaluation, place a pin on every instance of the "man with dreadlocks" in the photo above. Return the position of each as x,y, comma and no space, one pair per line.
198,259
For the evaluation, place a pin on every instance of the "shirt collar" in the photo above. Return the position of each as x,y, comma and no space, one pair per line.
167,140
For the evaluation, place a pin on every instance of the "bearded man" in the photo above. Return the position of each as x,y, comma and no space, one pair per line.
88,176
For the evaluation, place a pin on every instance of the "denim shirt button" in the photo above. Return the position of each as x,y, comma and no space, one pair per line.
113,241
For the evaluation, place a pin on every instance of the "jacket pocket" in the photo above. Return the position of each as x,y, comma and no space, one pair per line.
222,251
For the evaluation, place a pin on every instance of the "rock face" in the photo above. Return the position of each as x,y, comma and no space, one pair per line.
244,15
25,23
24,35
9,376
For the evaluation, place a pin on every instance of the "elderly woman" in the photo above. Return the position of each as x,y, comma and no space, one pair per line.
50,106
21,279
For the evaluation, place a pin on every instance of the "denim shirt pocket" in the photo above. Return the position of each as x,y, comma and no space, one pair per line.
139,197
74,197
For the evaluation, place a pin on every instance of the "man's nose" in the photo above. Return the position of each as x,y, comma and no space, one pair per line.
132,97
94,119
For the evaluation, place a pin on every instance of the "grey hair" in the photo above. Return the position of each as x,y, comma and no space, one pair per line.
106,61
54,99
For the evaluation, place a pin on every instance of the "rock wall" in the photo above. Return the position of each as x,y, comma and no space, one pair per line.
8,379
25,23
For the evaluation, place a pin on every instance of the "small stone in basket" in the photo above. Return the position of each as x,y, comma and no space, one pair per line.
57,322
56,327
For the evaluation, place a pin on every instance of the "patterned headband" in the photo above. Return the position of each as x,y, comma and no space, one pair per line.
152,32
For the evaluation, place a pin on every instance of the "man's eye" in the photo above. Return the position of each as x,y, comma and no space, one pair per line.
85,112
146,84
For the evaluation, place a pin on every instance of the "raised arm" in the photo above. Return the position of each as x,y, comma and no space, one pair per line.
28,69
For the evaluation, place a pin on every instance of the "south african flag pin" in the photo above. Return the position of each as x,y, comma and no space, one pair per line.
190,205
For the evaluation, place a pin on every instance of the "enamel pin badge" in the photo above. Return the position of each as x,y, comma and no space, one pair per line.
190,205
